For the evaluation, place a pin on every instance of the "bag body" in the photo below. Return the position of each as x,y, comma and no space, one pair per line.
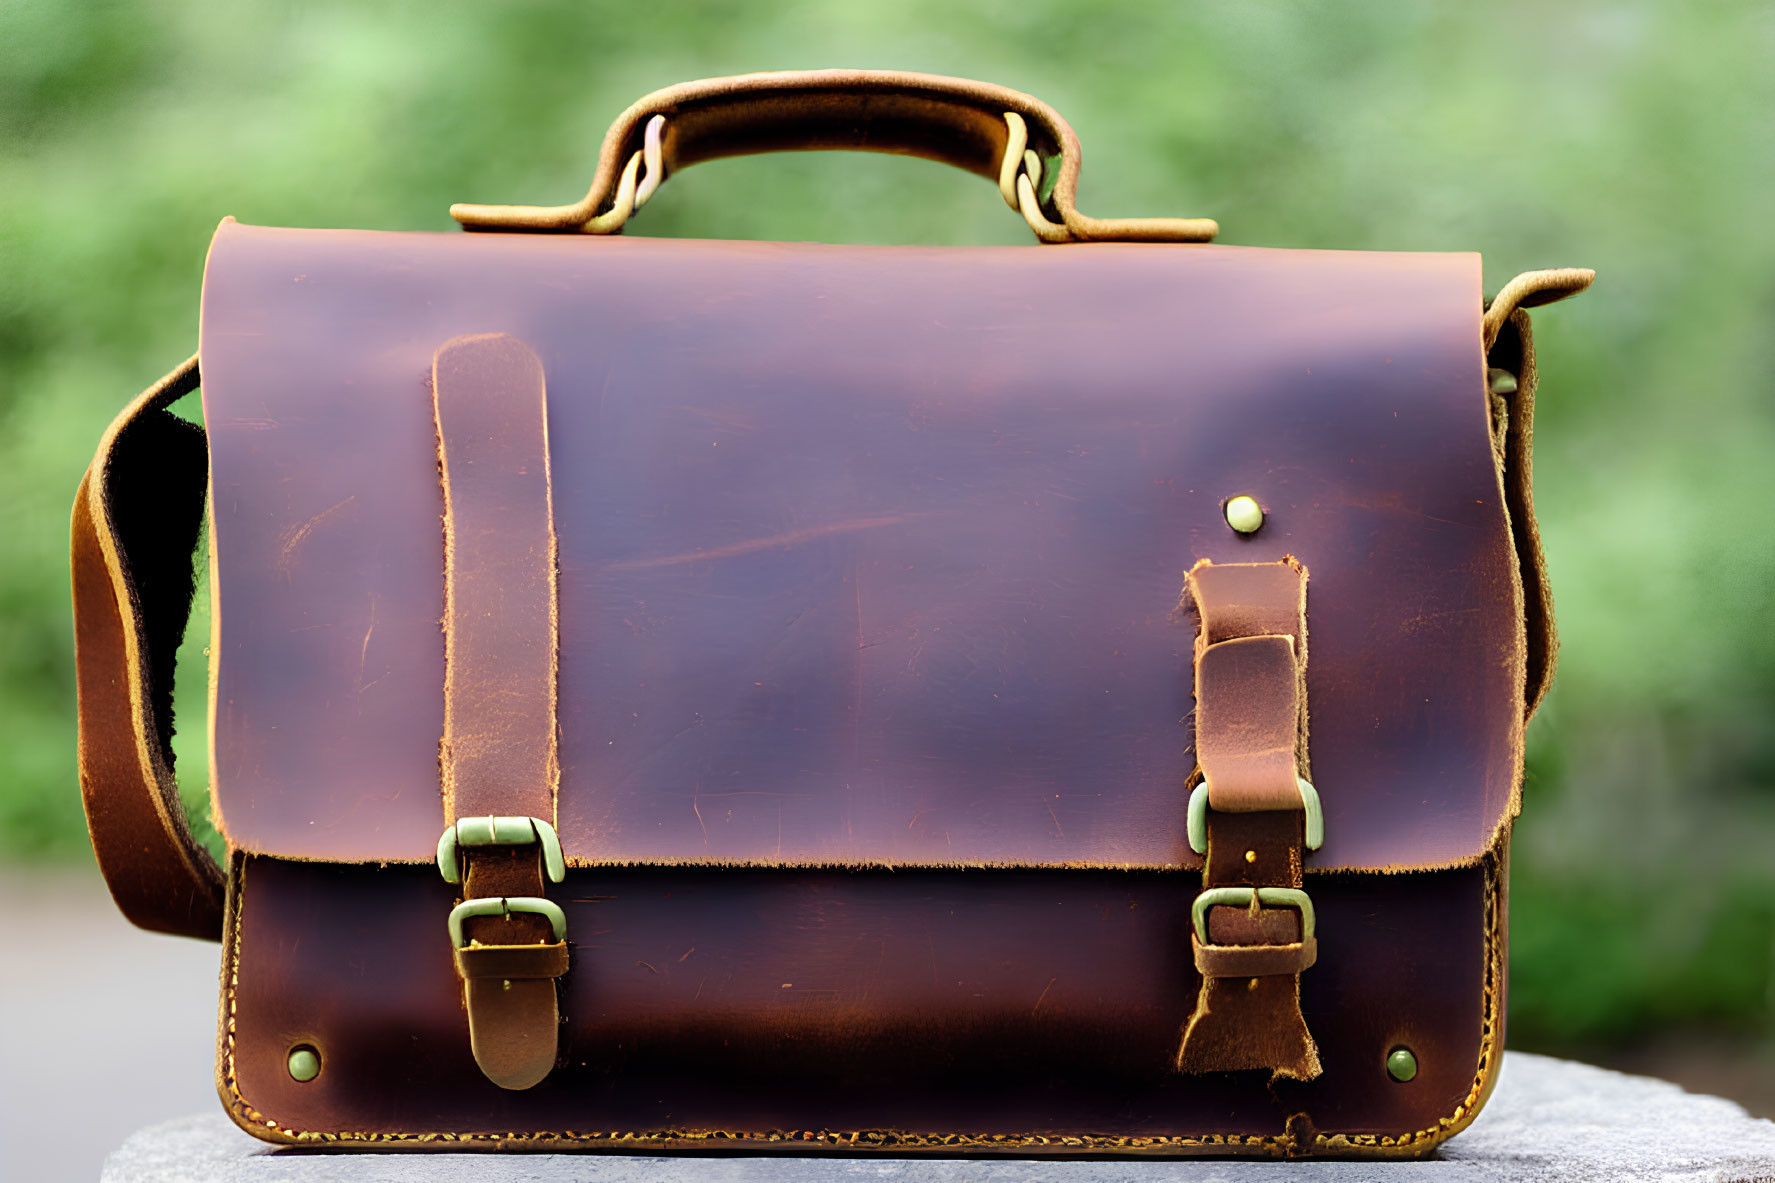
686,695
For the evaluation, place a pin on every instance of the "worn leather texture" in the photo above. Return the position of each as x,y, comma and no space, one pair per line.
1006,1011
1250,742
498,755
838,606
868,556
873,706
953,120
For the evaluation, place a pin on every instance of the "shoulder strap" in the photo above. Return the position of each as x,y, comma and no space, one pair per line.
137,520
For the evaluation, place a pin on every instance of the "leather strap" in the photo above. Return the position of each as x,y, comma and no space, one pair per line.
499,750
514,1019
137,520
1250,661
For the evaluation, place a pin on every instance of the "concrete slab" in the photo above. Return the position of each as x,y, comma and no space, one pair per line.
108,1027
1548,1120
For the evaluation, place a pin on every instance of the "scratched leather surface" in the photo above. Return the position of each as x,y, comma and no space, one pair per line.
867,555
932,1001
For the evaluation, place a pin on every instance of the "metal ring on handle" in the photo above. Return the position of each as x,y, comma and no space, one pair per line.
1028,204
654,159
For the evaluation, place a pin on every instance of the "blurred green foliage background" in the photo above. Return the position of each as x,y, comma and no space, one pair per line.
1631,137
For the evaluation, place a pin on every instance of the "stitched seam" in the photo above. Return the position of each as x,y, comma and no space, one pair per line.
1489,1016
237,1102
585,863
870,1138
884,1138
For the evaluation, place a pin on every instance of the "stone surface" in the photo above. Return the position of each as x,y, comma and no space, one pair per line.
1548,1119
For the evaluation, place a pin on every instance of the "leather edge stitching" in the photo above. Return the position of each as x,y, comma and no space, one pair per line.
257,1124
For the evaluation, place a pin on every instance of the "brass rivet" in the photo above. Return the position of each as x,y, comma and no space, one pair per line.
1401,1064
1244,514
1251,856
1252,984
304,1063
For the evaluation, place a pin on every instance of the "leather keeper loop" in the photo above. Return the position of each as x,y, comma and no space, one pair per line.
1253,961
512,962
1248,723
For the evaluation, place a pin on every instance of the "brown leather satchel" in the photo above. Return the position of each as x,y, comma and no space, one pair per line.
684,695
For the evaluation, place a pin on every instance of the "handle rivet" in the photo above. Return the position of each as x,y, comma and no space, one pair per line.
1244,514
304,1063
1401,1064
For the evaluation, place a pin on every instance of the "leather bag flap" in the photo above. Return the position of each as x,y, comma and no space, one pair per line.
867,555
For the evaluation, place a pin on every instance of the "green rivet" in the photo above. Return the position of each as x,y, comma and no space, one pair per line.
1244,514
304,1064
1501,381
1401,1064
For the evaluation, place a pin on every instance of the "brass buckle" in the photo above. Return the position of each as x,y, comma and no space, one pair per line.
505,905
1309,801
1287,897
500,831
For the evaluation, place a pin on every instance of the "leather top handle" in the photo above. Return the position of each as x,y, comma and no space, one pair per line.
137,520
989,130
